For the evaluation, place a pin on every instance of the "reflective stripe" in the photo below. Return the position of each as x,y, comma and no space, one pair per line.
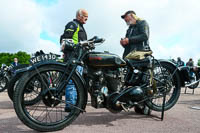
69,30
75,36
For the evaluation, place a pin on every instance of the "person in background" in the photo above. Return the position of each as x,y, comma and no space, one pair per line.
73,30
180,62
190,63
15,63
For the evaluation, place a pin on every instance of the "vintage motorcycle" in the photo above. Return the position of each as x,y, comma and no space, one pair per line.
191,76
113,83
6,75
3,77
21,70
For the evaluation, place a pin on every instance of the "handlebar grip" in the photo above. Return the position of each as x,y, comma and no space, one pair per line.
99,40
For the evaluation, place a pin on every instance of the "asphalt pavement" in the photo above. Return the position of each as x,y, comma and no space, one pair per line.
184,117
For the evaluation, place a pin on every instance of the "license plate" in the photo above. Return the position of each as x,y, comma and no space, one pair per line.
42,58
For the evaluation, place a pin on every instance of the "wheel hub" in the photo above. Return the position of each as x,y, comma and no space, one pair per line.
49,98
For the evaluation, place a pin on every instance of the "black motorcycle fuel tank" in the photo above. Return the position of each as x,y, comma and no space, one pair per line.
104,59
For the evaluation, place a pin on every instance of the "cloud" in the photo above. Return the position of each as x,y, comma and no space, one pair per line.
21,25
173,24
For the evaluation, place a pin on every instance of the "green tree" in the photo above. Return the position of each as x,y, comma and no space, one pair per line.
198,63
7,58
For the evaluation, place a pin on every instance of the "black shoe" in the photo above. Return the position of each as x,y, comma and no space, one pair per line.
146,110
142,109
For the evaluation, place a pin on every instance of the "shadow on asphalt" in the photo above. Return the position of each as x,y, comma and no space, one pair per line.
89,119
106,118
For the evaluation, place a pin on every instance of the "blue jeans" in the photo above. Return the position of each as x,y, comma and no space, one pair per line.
71,92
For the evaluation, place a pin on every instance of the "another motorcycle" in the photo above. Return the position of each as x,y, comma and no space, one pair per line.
113,83
20,71
3,77
190,76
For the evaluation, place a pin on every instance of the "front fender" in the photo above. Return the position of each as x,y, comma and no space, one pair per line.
175,68
38,65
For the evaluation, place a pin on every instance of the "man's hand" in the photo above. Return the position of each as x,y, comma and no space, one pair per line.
62,46
124,42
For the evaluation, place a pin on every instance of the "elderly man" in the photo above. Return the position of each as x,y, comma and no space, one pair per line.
137,36
74,30
137,39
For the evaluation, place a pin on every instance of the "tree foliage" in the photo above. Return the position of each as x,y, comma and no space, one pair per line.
8,58
198,63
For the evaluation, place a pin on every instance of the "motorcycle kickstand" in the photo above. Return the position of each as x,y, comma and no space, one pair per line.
163,107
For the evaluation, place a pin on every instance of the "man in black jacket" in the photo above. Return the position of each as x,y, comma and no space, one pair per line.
73,30
137,38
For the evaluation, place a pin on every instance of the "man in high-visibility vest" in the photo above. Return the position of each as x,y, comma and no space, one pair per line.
74,30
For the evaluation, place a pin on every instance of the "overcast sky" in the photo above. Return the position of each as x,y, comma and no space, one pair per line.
30,25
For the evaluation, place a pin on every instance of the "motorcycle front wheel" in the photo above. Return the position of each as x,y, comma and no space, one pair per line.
48,113
12,85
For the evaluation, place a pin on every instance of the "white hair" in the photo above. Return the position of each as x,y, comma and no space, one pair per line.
79,12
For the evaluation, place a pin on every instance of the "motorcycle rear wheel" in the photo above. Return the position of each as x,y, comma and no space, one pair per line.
48,114
171,88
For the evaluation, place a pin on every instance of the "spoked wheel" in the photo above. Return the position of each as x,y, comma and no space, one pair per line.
167,84
3,83
32,92
47,113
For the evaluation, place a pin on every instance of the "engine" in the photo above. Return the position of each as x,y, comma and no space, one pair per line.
102,83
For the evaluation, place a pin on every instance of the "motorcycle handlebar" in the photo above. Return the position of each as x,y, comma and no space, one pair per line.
92,41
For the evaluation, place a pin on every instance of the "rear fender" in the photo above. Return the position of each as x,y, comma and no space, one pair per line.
175,68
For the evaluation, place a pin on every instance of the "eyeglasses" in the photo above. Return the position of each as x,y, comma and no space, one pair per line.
85,16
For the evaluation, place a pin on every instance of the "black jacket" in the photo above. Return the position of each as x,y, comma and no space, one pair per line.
70,30
138,35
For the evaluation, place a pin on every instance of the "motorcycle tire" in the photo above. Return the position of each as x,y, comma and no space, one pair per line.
43,116
11,86
172,94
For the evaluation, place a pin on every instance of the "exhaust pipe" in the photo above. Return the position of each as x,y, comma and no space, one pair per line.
192,83
121,104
